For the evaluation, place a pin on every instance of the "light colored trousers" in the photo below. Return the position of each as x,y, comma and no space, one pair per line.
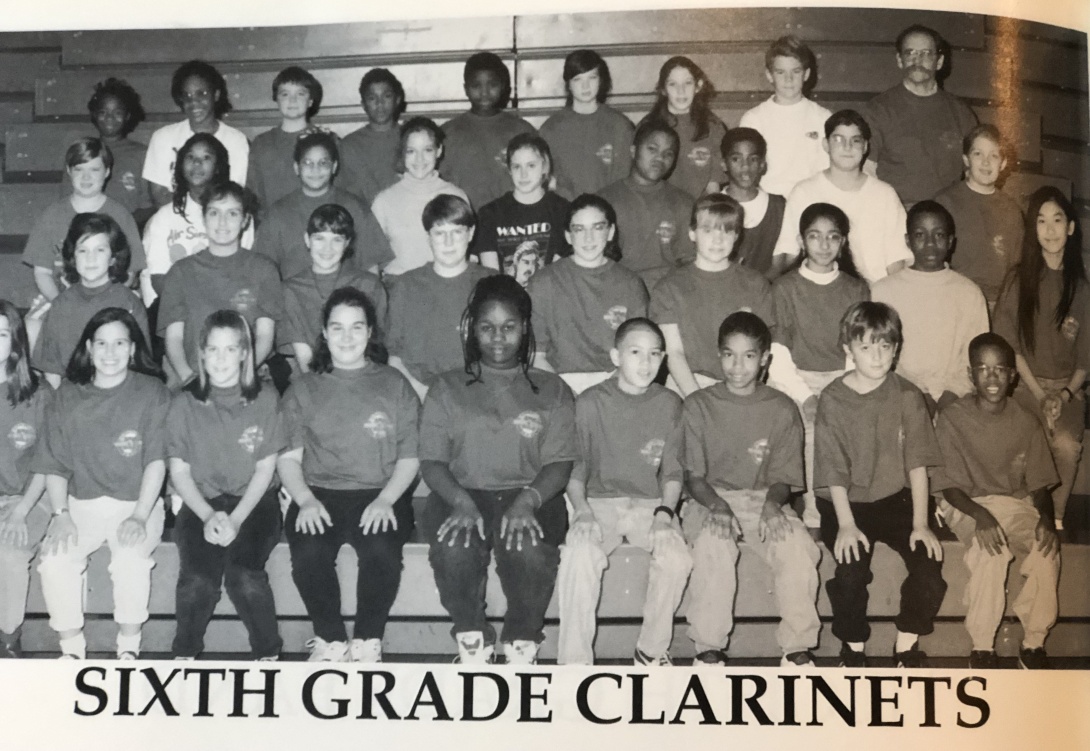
579,581
15,566
986,595
62,573
715,574
817,381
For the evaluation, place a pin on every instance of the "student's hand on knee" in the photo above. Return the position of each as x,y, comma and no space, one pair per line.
1048,542
989,535
378,517
132,531
62,534
313,518
927,538
463,518
13,529
585,528
846,549
724,525
519,522
774,524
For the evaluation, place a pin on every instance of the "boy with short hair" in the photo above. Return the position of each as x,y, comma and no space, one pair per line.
690,300
625,484
996,498
284,224
369,155
426,303
941,310
742,458
271,174
476,144
989,222
744,154
790,121
876,214
650,211
873,445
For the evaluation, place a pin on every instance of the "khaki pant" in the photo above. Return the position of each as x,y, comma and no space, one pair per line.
582,563
817,381
15,565
715,577
986,595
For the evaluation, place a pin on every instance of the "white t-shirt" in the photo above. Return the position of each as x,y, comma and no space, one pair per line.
794,133
875,213
165,142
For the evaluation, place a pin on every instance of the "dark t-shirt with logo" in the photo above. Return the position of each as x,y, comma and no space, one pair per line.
353,425
527,237
589,151
496,433
743,442
698,160
629,444
101,440
201,284
224,438
21,427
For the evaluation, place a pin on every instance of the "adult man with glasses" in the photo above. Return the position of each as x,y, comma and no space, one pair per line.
917,127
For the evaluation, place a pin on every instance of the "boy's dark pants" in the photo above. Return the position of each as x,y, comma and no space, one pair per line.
314,563
240,568
887,520
527,576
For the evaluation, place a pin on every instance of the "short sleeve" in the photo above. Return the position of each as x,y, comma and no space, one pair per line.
921,449
832,467
42,246
559,442
435,429
408,420
155,424
178,430
954,472
372,245
172,307
291,328
784,461
484,240
664,304
276,436
158,160
54,454
271,296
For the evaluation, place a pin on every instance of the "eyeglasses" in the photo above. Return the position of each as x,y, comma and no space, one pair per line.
449,234
999,371
833,238
911,56
855,142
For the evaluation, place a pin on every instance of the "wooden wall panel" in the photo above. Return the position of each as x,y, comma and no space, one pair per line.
1073,165
1019,185
20,70
31,40
20,205
1021,127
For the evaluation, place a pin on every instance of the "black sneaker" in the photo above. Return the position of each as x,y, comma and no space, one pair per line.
911,658
983,659
1033,659
711,657
850,658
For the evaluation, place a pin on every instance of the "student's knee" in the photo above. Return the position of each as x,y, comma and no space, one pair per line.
582,558
1066,447
130,563
62,563
15,558
797,549
712,550
671,558
981,562
459,557
851,576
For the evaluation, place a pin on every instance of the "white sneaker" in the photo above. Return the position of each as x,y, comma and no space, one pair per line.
128,654
365,650
472,650
327,651
520,652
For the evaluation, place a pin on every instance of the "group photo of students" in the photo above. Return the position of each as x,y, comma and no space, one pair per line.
797,335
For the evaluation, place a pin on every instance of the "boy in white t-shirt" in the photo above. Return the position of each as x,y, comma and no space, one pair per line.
791,123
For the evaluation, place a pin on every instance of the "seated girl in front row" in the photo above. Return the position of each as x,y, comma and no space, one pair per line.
224,434
497,443
352,426
104,457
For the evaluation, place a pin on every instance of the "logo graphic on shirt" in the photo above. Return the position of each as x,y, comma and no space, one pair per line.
999,245
243,300
700,156
22,435
525,261
379,425
1070,328
605,153
129,443
528,423
501,158
251,438
666,231
652,452
950,141
615,316
759,450
128,181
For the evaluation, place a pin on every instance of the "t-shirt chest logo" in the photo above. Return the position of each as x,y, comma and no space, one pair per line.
251,438
528,423
128,181
758,452
999,246
652,452
950,140
605,153
615,316
666,231
129,443
500,158
22,436
1070,328
243,300
1018,469
701,156
379,425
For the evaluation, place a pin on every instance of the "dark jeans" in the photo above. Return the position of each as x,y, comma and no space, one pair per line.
527,576
314,559
240,568
887,520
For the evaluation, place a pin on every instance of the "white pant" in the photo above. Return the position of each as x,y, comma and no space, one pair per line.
580,382
96,521
579,580
817,381
15,567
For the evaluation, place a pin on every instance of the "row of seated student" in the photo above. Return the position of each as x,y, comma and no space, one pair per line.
499,441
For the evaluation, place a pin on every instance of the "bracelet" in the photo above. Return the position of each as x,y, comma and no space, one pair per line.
669,511
537,494
59,511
